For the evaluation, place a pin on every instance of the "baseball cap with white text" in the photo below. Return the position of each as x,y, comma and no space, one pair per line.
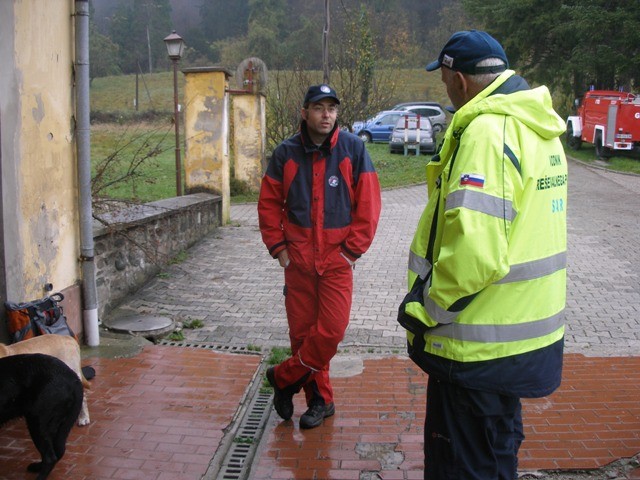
466,49
318,92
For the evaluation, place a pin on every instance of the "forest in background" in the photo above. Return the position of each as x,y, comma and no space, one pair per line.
569,45
378,50
280,32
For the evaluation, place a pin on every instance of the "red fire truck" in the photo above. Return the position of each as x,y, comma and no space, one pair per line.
608,119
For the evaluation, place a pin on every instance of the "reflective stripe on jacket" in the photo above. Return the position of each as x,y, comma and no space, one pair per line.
491,245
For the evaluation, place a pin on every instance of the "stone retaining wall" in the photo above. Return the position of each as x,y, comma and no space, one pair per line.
133,244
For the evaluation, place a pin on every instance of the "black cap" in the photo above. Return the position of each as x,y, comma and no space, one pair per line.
318,92
466,49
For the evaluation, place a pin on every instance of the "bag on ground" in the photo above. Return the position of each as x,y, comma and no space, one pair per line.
38,317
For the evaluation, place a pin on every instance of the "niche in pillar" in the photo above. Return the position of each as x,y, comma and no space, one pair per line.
249,138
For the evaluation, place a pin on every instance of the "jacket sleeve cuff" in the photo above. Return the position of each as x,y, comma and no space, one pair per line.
352,256
277,248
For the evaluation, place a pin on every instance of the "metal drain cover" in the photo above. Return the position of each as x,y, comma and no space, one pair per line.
145,325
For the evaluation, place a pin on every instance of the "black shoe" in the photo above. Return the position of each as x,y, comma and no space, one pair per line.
316,414
282,397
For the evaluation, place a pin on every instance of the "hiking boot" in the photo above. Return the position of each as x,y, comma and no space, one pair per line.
316,414
282,397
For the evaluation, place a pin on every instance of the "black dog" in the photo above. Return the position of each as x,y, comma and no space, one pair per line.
48,394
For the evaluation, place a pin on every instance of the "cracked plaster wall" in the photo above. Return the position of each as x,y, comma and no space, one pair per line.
206,128
39,176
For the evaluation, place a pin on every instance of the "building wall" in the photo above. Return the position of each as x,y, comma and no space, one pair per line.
38,172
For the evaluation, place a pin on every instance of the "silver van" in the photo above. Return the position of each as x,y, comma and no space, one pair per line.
412,133
433,110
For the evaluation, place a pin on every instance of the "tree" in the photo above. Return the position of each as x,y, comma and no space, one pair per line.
607,49
451,18
138,27
425,16
363,78
223,19
567,44
303,47
364,82
230,52
263,43
268,27
103,53
285,92
362,51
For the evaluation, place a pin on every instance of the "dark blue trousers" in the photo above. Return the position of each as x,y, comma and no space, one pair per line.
471,435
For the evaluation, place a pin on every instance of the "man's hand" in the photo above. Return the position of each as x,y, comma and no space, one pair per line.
283,258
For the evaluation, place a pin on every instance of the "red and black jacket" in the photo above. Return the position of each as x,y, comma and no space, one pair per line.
319,201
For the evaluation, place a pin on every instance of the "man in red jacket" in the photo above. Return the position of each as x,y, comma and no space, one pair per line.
318,210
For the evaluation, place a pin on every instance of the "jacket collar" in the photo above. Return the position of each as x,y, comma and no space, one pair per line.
326,146
459,122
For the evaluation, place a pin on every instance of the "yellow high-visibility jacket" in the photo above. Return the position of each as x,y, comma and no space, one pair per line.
488,261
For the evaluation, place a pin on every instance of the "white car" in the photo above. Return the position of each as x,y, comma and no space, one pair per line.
412,133
433,110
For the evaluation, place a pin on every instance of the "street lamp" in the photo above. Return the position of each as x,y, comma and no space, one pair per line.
175,47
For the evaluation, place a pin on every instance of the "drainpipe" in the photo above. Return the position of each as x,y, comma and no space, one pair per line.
83,143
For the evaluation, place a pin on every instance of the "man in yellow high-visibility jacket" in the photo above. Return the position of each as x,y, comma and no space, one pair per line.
487,266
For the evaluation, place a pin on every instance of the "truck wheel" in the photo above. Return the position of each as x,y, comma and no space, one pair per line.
573,142
601,150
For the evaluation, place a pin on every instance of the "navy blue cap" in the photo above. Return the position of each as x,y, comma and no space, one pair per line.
467,48
318,92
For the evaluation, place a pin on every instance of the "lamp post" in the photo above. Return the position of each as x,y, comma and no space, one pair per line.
175,47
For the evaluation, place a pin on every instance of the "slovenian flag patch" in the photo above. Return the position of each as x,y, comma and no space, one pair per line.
472,179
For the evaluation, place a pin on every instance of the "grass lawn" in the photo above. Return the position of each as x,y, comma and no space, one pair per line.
143,153
155,178
587,153
396,170
117,93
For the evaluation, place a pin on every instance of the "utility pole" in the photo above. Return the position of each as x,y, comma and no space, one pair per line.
325,43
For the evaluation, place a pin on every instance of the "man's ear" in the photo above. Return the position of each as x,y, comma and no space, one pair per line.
460,82
303,114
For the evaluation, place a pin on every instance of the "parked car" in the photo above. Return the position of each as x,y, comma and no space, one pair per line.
410,131
400,106
433,110
378,128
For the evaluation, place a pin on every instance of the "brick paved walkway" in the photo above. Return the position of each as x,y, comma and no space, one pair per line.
591,421
163,414
160,415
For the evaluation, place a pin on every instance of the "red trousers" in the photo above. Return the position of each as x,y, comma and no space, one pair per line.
318,309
